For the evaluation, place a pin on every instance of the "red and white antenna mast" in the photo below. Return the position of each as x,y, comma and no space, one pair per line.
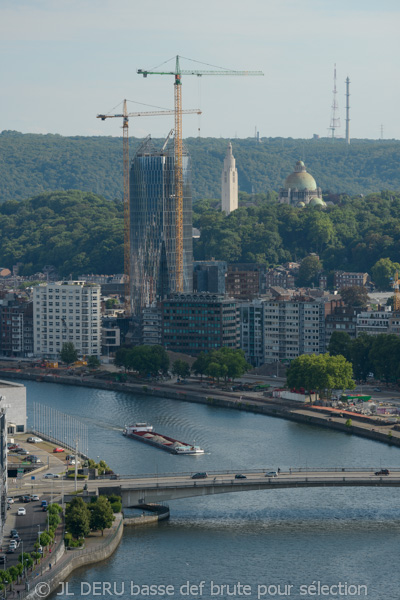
335,120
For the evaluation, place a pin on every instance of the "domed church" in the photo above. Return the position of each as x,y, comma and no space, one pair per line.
300,189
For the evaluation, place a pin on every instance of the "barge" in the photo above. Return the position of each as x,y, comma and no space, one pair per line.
144,433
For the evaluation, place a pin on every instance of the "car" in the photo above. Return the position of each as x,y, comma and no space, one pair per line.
383,472
34,440
16,539
377,390
43,503
34,497
240,476
74,462
58,449
48,476
12,532
23,452
13,544
10,550
3,559
271,474
21,511
70,457
10,500
200,476
26,499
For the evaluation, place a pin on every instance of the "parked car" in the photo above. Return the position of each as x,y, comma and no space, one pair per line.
10,500
271,474
34,440
383,472
21,511
23,452
240,476
200,476
34,497
58,449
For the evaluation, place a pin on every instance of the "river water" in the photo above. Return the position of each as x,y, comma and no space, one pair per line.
296,544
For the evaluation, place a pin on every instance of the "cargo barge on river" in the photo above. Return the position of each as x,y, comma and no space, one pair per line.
144,433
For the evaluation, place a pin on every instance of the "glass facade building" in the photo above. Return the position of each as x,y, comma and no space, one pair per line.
152,226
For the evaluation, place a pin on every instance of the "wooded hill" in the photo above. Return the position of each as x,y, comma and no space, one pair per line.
80,232
31,164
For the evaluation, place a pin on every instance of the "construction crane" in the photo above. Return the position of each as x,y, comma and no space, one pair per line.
396,293
178,153
125,134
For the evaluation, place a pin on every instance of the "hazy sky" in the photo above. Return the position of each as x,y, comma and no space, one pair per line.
64,61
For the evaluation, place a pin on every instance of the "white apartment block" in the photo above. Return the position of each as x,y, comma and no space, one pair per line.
66,311
374,322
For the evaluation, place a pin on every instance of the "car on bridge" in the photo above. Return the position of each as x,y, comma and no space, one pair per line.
240,476
200,476
271,474
383,472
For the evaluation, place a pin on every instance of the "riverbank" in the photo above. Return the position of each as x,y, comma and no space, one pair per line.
374,429
55,572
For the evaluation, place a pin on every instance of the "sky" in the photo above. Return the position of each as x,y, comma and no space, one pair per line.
65,61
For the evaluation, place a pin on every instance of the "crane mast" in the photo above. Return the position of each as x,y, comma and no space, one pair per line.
178,153
125,136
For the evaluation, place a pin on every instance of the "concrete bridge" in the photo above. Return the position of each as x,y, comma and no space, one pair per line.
147,489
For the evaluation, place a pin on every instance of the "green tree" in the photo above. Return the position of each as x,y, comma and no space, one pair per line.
93,362
77,518
181,368
359,356
321,372
340,343
101,514
355,296
309,269
200,365
68,353
383,271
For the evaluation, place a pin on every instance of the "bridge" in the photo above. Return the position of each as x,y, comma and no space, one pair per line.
144,489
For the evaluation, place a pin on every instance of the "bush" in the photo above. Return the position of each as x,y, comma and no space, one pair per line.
116,506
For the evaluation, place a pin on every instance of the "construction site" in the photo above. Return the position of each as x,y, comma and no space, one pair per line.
158,256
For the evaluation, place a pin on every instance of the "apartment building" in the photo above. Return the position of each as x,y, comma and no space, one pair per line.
194,323
251,319
66,311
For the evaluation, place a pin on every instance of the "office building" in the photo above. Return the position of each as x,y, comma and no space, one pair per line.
209,276
153,232
194,323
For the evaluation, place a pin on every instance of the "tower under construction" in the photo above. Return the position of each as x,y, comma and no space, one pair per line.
153,235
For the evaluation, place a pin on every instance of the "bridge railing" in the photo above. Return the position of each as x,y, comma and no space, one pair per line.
293,470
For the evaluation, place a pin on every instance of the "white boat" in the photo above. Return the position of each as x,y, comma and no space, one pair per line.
189,450
137,427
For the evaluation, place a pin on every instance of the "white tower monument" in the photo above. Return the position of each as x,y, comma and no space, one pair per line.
229,187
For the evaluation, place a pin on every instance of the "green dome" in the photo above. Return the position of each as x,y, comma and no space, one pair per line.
301,205
317,202
300,179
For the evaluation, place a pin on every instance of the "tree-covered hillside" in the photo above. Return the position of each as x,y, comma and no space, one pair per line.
76,232
31,164
80,232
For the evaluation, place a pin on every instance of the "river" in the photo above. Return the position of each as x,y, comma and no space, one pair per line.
329,543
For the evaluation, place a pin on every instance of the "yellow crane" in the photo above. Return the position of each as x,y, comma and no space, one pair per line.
396,293
178,150
125,135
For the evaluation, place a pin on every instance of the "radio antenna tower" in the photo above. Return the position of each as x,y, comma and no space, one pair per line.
347,110
335,120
